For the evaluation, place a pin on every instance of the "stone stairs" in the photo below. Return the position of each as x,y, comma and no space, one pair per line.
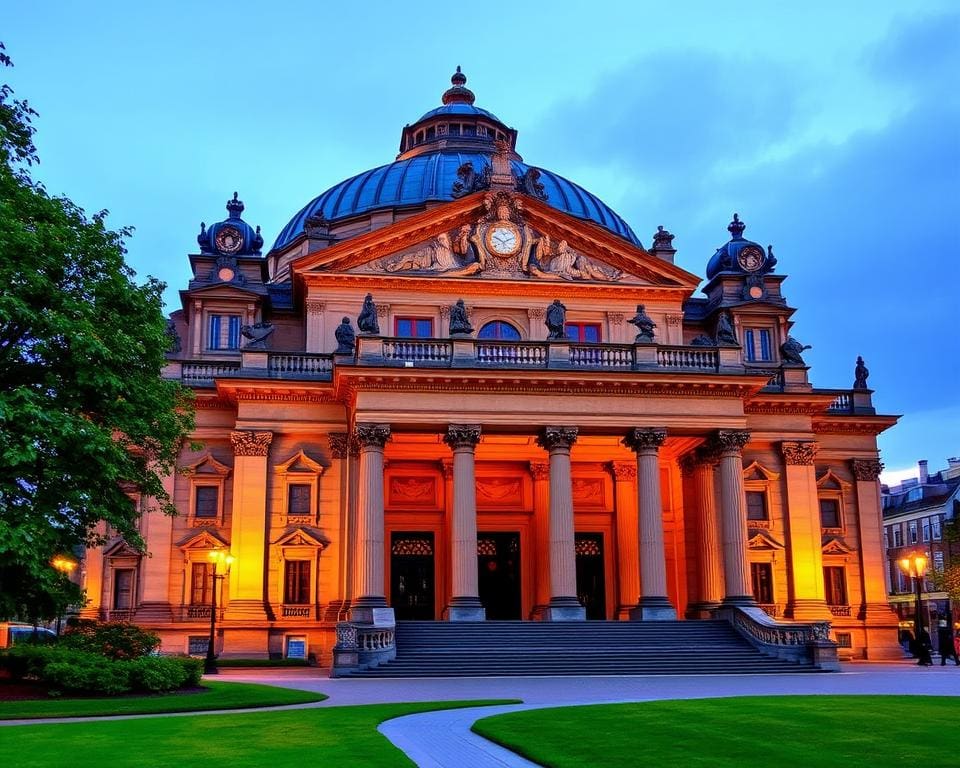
527,648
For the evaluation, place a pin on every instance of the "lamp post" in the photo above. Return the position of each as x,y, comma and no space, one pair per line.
915,566
64,565
220,559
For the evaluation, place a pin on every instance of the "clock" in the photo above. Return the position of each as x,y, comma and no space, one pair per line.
229,240
503,239
751,258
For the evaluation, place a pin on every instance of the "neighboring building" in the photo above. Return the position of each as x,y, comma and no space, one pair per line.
914,515
582,437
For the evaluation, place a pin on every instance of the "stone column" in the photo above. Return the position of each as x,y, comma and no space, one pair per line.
540,472
628,539
807,598
563,605
370,604
157,531
248,528
654,604
700,465
464,601
315,341
733,516
875,612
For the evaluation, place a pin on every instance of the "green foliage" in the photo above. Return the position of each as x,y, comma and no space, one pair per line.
85,417
155,674
113,639
89,674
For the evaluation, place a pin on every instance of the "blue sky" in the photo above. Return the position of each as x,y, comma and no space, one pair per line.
833,131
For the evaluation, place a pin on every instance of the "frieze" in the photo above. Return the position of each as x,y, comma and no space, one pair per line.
557,438
866,470
799,453
412,490
372,435
462,435
212,403
251,443
498,491
645,439
587,490
623,471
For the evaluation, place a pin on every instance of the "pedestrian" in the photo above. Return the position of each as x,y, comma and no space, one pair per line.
924,646
945,641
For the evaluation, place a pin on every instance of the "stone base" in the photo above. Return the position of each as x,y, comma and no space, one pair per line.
740,600
154,611
564,609
246,610
653,609
703,610
466,609
809,610
377,615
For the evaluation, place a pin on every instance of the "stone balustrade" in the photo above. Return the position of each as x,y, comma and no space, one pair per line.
300,364
361,645
791,640
200,373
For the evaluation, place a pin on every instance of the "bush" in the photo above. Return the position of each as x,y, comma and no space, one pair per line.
113,639
94,674
157,674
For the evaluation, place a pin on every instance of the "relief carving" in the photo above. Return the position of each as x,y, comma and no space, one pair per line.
539,470
251,443
799,453
372,435
339,444
729,441
623,471
557,438
866,470
410,490
645,439
497,491
462,435
587,490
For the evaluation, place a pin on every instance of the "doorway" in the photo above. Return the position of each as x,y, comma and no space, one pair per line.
412,575
498,564
591,586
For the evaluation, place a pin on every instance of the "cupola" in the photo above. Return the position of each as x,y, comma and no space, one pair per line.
232,236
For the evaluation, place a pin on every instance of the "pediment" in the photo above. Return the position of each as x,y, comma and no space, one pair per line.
301,463
497,236
829,481
834,545
301,536
207,465
759,539
205,538
756,471
120,548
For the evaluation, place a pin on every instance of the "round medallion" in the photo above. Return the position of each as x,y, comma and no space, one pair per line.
226,274
229,240
756,291
750,258
503,238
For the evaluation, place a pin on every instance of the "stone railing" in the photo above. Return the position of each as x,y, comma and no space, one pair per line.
771,609
601,356
429,351
802,642
297,611
116,614
360,646
197,373
689,358
198,613
840,610
300,364
842,403
510,354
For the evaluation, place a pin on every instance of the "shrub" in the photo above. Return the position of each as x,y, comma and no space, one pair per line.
153,673
93,674
113,639
193,669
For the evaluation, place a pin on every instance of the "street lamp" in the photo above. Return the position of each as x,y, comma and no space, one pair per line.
221,560
65,565
915,566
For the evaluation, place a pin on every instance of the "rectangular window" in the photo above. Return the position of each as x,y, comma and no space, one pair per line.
937,530
913,531
901,581
835,584
756,344
223,332
583,333
761,575
296,589
925,529
886,539
413,327
123,589
298,499
757,506
829,513
938,561
897,536
201,583
206,501
197,645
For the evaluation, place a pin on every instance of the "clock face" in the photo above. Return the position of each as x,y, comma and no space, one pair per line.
503,239
229,240
751,258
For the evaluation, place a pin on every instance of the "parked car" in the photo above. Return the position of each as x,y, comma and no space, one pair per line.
13,632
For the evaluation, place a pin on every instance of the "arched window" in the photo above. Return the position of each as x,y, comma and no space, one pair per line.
500,331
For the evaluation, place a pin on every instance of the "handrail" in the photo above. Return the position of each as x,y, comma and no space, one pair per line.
794,640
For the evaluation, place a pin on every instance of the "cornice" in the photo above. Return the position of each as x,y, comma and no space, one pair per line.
307,392
854,425
788,404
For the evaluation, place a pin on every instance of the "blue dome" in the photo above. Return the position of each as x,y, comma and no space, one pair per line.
413,181
727,257
460,109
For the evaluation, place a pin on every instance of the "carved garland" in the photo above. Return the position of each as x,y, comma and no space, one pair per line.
251,443
799,453
866,470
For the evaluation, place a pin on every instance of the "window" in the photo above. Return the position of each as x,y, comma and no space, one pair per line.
761,576
756,344
901,581
197,645
757,505
886,539
201,583
835,584
224,332
413,327
499,331
938,561
206,501
897,536
296,590
583,333
298,499
913,531
937,531
925,529
123,589
829,513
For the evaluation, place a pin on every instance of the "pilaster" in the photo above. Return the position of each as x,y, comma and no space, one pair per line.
155,579
540,472
701,467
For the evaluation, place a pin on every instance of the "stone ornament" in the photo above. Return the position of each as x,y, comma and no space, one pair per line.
539,470
799,453
645,439
459,322
251,443
623,471
257,335
315,308
866,470
462,435
339,444
556,317
860,375
729,441
367,319
372,435
791,351
725,332
557,438
644,324
346,338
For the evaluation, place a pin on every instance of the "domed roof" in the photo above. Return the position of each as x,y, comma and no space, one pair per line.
431,152
232,236
727,258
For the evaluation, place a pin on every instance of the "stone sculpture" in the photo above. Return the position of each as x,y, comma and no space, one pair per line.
860,375
556,321
725,333
367,319
791,351
346,338
644,325
459,322
256,335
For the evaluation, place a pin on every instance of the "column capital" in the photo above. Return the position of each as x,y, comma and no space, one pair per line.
556,438
727,441
800,453
372,435
623,471
251,443
314,307
644,439
866,470
462,436
539,470
339,444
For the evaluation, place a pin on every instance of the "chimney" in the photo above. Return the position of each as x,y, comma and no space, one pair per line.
953,461
924,477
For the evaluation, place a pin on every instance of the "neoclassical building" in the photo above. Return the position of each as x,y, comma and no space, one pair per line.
459,388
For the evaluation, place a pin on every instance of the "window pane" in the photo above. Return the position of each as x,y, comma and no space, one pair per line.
748,349
299,499
573,331
765,345
756,505
591,333
425,329
829,513
123,589
201,583
233,340
761,575
213,342
404,327
499,330
206,501
297,582
835,585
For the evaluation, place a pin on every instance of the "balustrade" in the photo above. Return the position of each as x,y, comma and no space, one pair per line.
840,610
201,373
300,364
601,356
296,611
417,350
691,358
842,403
511,354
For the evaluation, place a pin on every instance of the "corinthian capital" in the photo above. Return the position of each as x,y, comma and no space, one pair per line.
554,438
801,453
372,435
645,439
462,435
339,444
866,470
729,441
251,443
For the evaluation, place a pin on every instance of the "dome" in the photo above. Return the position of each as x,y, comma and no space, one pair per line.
232,236
728,257
431,151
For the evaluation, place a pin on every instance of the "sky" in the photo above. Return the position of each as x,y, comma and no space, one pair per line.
833,129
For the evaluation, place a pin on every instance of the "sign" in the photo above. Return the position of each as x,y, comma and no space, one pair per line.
296,647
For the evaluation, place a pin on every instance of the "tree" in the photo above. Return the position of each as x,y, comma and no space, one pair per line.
948,579
86,420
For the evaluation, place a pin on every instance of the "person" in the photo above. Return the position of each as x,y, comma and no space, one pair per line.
945,641
924,646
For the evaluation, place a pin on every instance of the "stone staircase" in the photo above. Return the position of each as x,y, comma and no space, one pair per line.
522,648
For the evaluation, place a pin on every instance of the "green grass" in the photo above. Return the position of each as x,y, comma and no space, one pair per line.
808,731
335,736
217,696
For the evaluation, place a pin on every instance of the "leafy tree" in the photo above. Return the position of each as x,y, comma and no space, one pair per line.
948,580
85,417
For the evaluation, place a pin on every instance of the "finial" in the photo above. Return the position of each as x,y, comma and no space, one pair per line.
458,77
458,93
736,227
235,207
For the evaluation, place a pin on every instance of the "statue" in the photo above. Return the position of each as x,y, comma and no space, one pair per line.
791,350
644,324
725,333
256,335
771,259
860,375
459,322
346,338
367,319
530,184
469,180
556,321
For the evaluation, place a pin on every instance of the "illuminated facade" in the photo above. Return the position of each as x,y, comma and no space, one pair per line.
581,438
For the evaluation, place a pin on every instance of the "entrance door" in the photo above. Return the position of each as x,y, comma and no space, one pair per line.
498,563
411,575
591,588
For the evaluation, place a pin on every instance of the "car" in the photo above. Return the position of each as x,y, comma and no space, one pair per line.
12,633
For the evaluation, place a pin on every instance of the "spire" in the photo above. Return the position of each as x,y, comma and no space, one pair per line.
234,207
458,93
736,228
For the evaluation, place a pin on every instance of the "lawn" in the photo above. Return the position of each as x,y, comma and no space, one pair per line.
335,736
216,696
809,731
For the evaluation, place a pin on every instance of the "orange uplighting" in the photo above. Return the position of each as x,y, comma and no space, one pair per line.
64,564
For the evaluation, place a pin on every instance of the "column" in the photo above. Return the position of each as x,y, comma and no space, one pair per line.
370,604
315,341
807,599
464,601
563,605
628,539
249,525
540,472
653,604
733,516
875,612
701,465
155,569
340,468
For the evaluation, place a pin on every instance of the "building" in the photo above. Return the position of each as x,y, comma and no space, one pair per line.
458,387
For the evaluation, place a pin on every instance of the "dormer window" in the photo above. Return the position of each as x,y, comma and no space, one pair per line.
756,345
223,332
